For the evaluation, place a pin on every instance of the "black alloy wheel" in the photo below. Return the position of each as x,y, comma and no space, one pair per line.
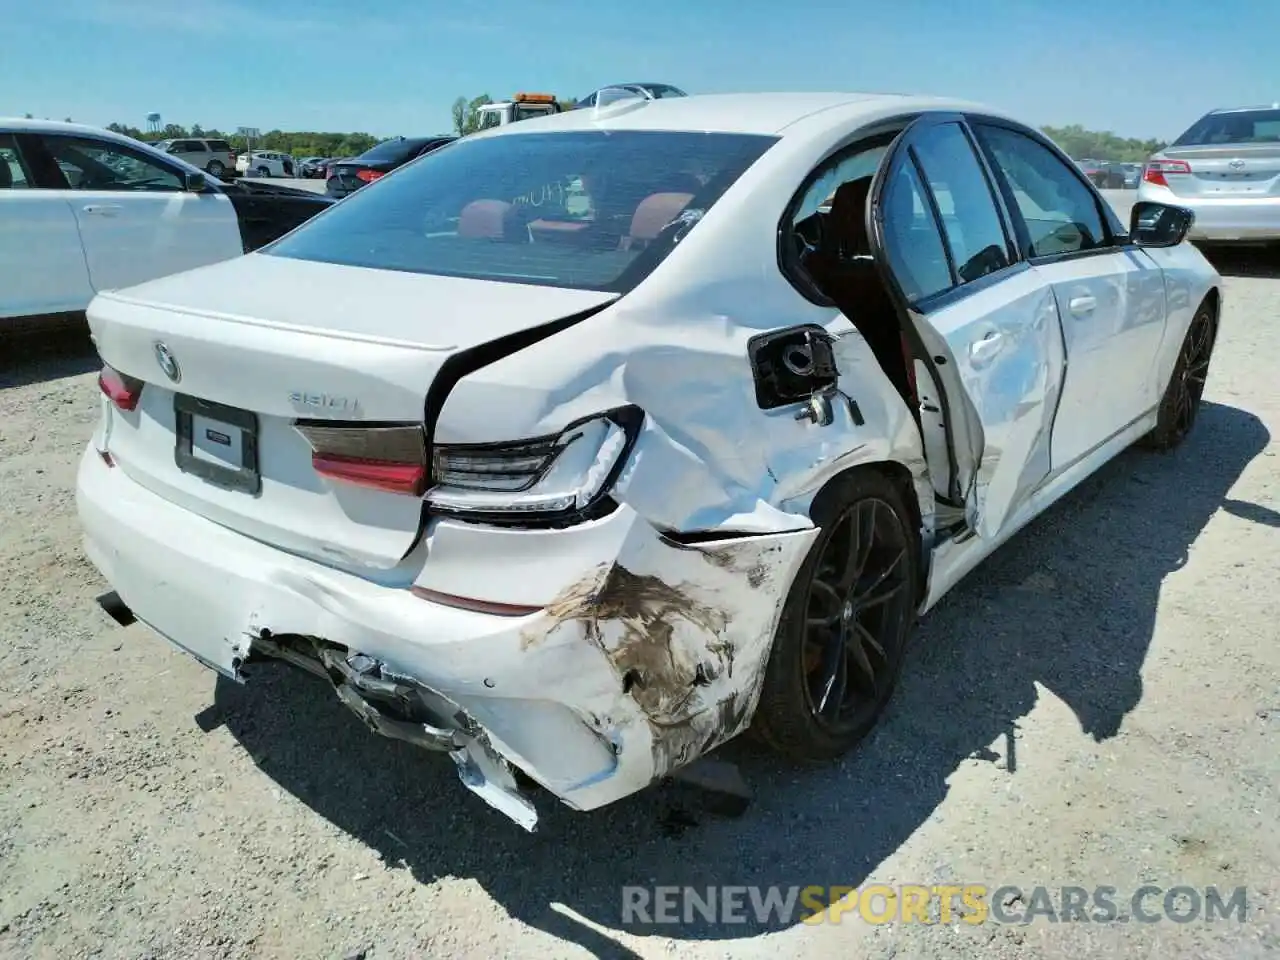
1181,402
843,632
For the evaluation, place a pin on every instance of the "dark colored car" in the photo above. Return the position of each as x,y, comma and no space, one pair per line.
346,176
321,170
1103,173
267,211
311,167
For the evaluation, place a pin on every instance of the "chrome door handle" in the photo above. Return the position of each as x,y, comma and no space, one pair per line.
981,351
1081,306
103,209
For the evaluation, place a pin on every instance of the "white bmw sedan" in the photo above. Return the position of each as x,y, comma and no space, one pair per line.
579,447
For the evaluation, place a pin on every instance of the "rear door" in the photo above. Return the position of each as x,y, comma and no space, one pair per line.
1110,294
42,266
982,324
136,221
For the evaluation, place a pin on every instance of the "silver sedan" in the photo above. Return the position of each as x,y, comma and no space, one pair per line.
1226,170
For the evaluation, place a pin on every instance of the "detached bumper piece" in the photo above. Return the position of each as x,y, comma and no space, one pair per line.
401,708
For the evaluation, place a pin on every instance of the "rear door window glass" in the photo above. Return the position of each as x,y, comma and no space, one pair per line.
913,246
970,220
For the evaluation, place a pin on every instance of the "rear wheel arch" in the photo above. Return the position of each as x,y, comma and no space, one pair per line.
1213,300
900,476
783,718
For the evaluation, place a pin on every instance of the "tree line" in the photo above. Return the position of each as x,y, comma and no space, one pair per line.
303,143
1078,142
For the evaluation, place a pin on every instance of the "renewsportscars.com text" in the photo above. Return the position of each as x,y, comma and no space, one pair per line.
918,903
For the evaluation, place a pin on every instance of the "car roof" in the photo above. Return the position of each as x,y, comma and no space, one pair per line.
24,125
748,113
1262,106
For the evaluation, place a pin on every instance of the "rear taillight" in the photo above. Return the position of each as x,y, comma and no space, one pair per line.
123,390
1155,170
368,176
406,478
390,457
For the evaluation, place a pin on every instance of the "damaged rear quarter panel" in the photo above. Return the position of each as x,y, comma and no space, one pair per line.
686,631
708,458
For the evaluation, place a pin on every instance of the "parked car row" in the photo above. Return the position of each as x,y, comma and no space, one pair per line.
217,158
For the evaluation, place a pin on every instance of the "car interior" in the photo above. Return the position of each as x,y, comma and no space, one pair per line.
842,267
609,216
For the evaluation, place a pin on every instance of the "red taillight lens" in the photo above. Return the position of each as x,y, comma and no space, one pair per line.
406,478
476,606
368,176
123,390
390,457
1155,170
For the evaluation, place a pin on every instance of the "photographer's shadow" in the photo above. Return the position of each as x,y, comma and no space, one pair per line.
1070,604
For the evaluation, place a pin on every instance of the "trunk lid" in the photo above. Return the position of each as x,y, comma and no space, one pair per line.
1240,170
259,343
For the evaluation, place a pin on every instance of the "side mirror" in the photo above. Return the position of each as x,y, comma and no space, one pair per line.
1158,224
193,182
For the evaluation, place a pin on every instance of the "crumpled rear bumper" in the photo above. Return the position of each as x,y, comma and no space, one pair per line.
644,654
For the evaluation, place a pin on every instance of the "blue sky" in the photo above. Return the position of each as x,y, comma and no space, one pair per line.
397,66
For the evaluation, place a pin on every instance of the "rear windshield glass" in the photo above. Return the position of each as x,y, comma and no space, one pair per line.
590,210
1240,126
390,151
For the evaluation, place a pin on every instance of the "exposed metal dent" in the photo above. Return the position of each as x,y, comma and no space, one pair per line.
655,656
489,777
374,692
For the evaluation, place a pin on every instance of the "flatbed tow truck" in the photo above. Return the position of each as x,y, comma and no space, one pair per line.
522,106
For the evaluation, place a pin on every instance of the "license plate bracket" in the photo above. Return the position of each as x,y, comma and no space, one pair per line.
217,443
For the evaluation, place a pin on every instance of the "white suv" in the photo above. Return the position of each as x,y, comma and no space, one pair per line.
266,163
215,156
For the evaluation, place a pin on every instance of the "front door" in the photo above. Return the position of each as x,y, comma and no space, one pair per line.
136,221
983,325
1110,295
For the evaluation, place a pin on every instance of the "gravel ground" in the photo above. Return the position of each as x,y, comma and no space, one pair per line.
1099,704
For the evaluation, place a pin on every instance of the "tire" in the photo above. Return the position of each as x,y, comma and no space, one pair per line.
791,716
264,171
216,168
1182,395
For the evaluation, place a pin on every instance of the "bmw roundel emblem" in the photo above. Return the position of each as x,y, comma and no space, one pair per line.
167,361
